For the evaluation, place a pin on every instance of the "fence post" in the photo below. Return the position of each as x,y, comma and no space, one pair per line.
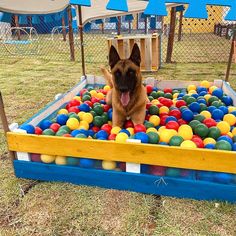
63,28
71,35
81,39
180,25
119,25
16,19
171,35
230,56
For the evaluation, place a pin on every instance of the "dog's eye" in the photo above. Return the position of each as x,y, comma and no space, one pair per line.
117,74
130,73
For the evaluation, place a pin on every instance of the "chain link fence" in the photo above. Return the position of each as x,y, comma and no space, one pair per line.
195,40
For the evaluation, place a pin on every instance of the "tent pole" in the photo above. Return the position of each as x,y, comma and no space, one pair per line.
180,25
230,57
63,28
5,124
71,35
81,39
16,19
171,35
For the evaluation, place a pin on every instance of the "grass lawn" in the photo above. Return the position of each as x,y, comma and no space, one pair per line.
32,208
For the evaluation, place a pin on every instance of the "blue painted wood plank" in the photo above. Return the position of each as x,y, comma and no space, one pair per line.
200,190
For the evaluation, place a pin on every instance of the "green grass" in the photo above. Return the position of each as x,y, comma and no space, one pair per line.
64,209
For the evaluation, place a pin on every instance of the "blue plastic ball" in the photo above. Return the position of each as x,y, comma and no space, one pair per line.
210,146
218,93
62,119
91,133
234,147
86,163
233,112
144,168
227,100
211,109
226,138
163,143
187,115
195,95
142,136
45,124
170,118
224,109
84,107
28,128
202,101
201,89
223,178
194,107
72,161
79,131
205,175
102,134
217,114
125,131
203,93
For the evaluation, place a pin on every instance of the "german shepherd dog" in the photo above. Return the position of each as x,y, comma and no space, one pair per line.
127,95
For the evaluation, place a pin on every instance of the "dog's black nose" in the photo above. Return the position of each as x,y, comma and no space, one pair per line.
124,90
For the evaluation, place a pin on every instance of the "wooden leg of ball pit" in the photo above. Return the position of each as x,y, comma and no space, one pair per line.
230,57
5,123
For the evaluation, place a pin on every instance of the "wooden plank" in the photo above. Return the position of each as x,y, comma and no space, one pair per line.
148,184
131,44
143,49
120,48
155,53
148,54
198,159
126,49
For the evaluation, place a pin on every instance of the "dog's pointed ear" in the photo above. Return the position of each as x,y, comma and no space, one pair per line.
135,56
113,57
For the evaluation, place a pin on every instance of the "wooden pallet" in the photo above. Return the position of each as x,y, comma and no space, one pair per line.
150,47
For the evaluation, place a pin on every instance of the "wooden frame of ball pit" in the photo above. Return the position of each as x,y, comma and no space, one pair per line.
199,159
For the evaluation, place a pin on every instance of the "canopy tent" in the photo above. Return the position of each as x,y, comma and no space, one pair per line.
98,9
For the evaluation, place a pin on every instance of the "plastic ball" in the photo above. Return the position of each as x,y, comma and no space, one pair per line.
206,114
88,117
81,135
84,107
151,130
34,157
115,130
139,128
38,130
107,88
62,111
187,115
73,123
210,146
205,175
224,127
218,92
121,137
154,119
172,125
86,163
157,170
102,134
188,144
226,138
230,119
209,141
212,88
223,178
47,158
72,161
28,128
205,84
185,131
60,160
48,132
223,145
61,119
217,114
166,135
176,141
163,109
172,172
142,136
108,165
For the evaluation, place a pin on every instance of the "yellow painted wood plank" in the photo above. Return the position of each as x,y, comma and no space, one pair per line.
199,159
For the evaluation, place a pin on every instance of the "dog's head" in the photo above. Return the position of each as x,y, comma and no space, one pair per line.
125,72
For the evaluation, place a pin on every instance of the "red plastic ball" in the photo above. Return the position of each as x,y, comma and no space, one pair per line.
89,103
158,170
176,113
107,128
74,102
55,127
182,122
83,91
180,103
112,137
95,129
163,119
122,166
172,125
139,128
148,105
149,88
167,102
198,142
68,106
94,100
167,90
67,135
209,122
106,108
129,124
38,130
74,109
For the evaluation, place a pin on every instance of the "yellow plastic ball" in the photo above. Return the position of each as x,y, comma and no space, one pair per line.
151,130
107,88
166,135
175,95
121,137
88,117
188,144
78,98
93,93
161,128
206,114
231,109
209,141
163,109
131,130
230,134
207,96
85,124
234,131
73,123
62,111
224,127
155,102
191,87
154,119
108,165
60,160
80,114
205,84
47,158
230,118
192,92
186,132
115,130
100,95
212,88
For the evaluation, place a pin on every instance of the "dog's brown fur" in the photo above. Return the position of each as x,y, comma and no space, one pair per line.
136,107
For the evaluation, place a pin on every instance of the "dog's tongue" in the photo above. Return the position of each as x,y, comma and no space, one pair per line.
125,98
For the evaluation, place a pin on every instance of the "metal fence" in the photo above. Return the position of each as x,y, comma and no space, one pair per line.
195,40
